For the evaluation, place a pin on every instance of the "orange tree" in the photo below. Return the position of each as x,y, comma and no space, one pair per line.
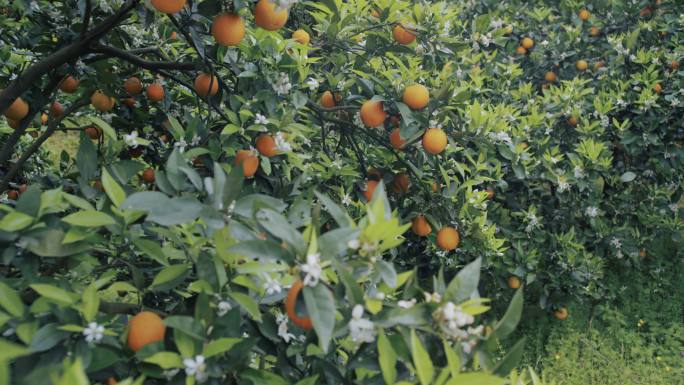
247,175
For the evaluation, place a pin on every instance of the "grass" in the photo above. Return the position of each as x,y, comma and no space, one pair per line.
61,141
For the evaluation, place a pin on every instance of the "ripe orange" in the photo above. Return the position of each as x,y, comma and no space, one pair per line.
373,113
102,102
301,37
527,43
400,183
520,50
420,226
56,109
17,110
375,13
173,35
674,65
561,314
68,84
550,76
642,253
490,194
584,15
434,186
133,86
13,195
416,96
657,88
396,140
93,132
434,141
290,307
327,100
581,65
572,121
599,64
402,35
130,102
594,31
448,238
43,118
513,282
145,328
267,17
248,161
148,175
266,145
371,185
13,123
202,82
168,6
112,381
394,121
228,29
155,92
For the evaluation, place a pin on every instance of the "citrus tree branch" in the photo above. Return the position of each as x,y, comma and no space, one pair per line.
52,126
86,17
140,62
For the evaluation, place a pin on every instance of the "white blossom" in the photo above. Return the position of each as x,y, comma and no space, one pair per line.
282,85
346,199
283,331
353,244
131,139
616,243
271,285
284,4
361,329
591,211
313,269
312,84
281,143
196,367
260,119
223,308
406,304
93,332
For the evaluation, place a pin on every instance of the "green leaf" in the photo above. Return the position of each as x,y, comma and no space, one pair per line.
452,359
464,283
106,128
387,358
340,216
165,360
187,325
510,320
169,274
54,293
10,300
91,302
10,351
74,374
511,359
421,360
313,380
78,202
278,225
476,379
262,377
15,221
89,219
320,305
247,303
115,193
219,346
151,249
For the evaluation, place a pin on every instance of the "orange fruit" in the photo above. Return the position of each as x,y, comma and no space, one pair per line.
400,183
374,174
434,141
394,121
642,253
490,194
68,84
56,109
155,92
93,132
301,37
561,314
43,118
112,381
267,17
266,145
148,175
657,88
248,161
448,238
420,226
13,195
581,65
572,121
202,82
102,102
550,76
595,31
145,328
520,50
371,185
17,110
133,85
527,43
327,100
290,307
416,96
434,186
402,35
130,102
173,35
228,29
674,65
513,282
375,13
13,123
373,113
509,29
396,140
168,6
584,15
